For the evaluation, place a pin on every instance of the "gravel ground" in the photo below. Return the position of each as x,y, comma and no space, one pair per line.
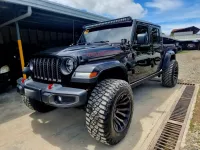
189,63
193,136
189,66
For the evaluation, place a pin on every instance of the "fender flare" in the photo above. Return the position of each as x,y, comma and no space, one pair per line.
99,67
168,56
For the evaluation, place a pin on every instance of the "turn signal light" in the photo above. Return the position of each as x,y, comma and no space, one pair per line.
93,74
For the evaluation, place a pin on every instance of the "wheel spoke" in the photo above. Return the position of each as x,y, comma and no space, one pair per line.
118,124
123,109
120,120
122,114
124,103
124,99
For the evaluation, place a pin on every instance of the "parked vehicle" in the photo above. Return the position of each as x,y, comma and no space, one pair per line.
7,66
4,76
98,73
175,47
191,46
179,47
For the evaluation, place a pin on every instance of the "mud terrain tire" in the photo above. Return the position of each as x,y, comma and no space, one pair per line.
109,111
170,75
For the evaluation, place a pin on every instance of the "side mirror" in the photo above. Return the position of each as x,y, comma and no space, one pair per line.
142,38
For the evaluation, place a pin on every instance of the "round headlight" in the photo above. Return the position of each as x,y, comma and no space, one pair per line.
68,66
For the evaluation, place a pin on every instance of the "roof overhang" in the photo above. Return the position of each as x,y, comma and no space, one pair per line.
194,29
46,14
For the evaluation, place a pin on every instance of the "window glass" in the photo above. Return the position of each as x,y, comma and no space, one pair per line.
155,34
142,35
112,35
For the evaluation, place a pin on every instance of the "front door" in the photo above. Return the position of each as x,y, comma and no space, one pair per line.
145,56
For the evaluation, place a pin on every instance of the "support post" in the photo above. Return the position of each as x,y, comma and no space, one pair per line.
20,48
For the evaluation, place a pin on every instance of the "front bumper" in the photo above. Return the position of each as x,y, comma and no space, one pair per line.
57,95
4,80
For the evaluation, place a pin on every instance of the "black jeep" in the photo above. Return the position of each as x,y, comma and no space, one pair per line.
98,73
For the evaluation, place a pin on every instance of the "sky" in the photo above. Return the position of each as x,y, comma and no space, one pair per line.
170,14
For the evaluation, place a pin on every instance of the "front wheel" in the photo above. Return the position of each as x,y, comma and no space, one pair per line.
109,111
170,75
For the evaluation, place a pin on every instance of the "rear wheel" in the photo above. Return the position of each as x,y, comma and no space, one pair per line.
37,105
170,75
109,111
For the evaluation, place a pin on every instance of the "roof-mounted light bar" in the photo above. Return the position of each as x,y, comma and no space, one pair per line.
116,21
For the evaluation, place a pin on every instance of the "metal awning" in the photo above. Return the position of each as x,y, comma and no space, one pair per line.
46,14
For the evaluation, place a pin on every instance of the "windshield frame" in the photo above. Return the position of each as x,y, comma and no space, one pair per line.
132,24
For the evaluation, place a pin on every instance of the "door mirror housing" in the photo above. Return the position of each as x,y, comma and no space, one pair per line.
142,38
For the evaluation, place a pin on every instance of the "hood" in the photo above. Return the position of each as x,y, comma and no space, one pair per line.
85,51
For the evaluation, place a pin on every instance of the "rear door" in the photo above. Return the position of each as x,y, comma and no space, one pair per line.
156,46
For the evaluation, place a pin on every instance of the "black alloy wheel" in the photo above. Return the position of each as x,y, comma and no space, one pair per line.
122,112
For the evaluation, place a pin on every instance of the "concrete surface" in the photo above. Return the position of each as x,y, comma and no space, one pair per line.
64,129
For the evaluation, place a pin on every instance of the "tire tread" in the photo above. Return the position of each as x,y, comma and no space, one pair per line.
98,108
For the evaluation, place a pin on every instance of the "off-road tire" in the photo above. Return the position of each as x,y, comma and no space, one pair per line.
101,107
170,75
37,105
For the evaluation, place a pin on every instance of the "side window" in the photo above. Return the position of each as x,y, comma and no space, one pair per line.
155,35
142,36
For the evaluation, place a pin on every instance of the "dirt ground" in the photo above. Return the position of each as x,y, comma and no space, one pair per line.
189,66
189,63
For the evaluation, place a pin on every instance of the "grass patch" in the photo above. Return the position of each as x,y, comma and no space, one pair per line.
196,114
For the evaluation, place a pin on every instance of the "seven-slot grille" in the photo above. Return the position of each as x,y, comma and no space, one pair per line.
47,69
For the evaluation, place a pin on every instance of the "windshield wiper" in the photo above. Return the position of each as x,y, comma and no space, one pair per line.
83,43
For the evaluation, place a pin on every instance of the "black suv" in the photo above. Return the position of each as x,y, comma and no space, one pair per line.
98,73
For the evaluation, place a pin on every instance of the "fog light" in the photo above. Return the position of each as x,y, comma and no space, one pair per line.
64,99
58,99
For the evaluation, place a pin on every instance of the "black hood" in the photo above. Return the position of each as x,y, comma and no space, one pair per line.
86,51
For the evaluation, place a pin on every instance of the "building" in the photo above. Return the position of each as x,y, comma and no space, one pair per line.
188,37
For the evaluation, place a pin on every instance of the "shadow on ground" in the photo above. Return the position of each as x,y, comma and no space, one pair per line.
65,128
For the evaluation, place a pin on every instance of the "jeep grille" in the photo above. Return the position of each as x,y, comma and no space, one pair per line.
47,69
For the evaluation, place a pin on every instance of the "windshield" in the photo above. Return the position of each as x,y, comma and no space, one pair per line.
111,35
